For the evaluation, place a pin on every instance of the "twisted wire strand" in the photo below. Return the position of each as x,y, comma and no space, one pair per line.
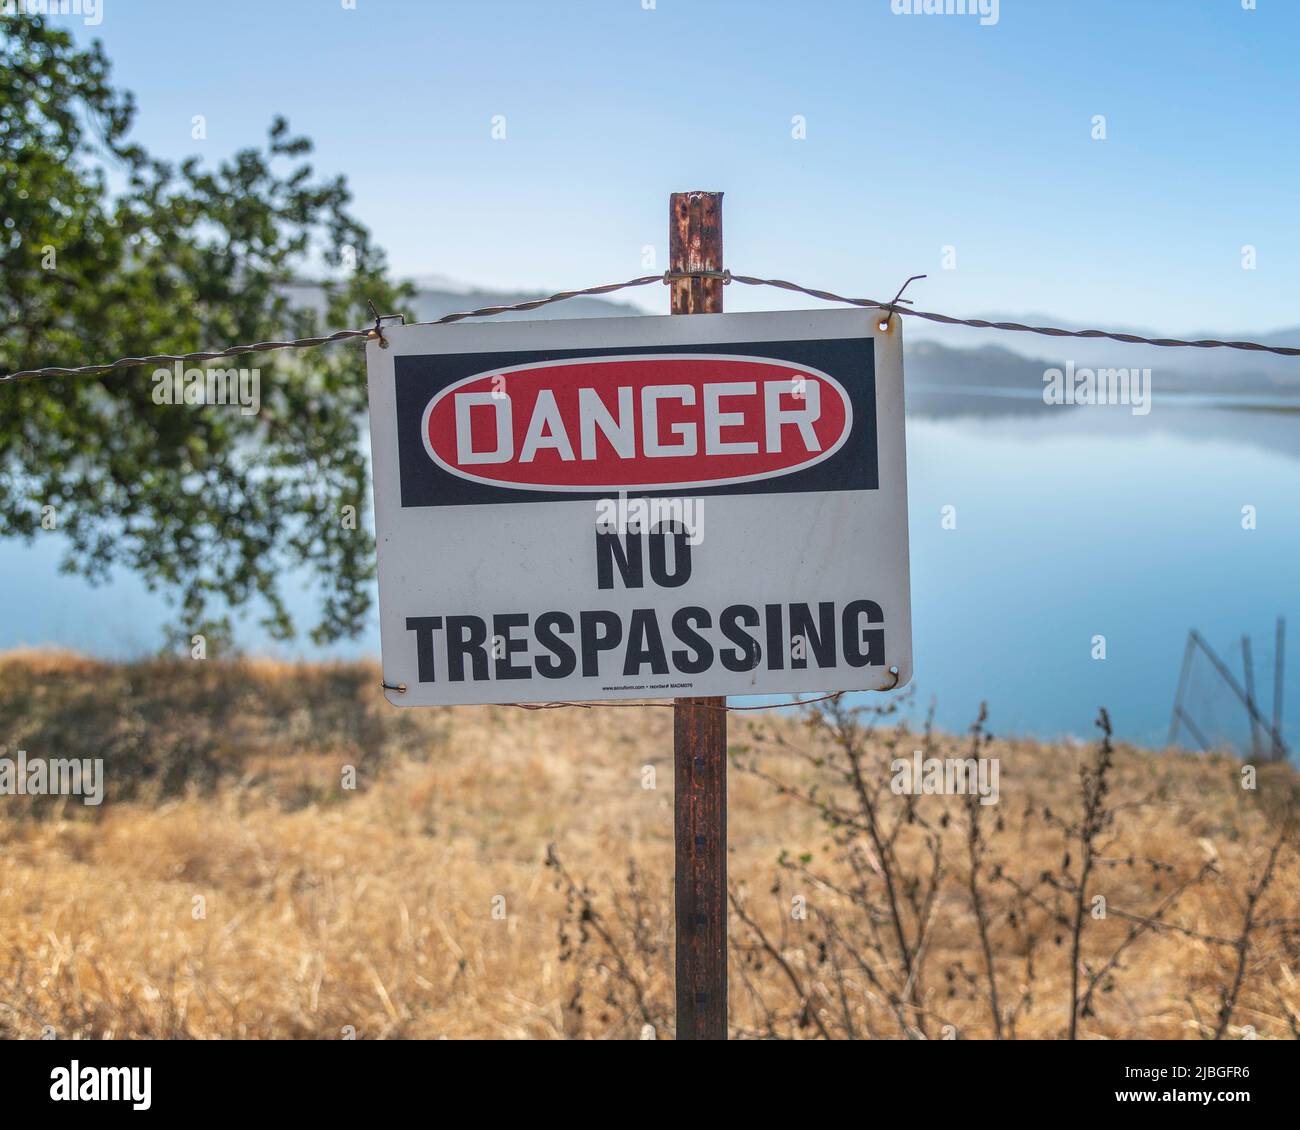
645,280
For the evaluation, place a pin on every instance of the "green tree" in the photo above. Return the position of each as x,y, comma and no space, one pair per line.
106,252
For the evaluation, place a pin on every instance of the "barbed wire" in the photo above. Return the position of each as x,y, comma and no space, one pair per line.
1020,327
159,358
892,307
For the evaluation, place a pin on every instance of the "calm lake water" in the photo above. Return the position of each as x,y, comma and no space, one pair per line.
1070,523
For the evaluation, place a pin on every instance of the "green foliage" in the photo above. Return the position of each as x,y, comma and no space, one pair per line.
106,252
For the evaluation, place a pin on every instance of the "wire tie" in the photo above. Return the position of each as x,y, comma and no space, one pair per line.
681,276
377,331
892,306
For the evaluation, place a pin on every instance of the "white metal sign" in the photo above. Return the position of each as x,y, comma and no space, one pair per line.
640,507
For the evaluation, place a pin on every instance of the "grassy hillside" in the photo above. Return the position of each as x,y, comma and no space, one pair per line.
498,872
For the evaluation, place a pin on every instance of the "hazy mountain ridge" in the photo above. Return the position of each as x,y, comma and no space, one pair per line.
450,297
1192,369
951,368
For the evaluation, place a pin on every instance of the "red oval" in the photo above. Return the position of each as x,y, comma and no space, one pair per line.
644,422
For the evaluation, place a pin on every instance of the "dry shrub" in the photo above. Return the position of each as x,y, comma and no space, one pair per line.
421,903
1155,898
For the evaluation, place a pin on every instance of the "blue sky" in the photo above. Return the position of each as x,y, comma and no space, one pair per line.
922,131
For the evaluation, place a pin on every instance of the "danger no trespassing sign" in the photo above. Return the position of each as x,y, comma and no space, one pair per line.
641,507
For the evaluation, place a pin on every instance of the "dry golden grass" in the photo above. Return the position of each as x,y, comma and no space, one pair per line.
377,910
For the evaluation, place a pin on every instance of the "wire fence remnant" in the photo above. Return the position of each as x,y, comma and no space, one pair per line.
645,280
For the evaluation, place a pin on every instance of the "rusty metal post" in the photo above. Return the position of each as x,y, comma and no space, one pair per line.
699,724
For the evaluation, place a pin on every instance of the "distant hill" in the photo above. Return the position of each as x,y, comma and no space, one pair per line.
953,369
1204,370
436,296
